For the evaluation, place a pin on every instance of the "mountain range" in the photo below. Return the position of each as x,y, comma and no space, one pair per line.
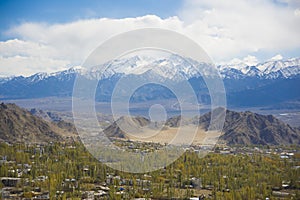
267,70
265,84
243,128
240,128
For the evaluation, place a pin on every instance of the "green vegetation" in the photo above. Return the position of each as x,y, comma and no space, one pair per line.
68,170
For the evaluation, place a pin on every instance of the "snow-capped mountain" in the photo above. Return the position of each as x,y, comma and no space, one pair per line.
5,79
173,68
245,85
266,70
178,69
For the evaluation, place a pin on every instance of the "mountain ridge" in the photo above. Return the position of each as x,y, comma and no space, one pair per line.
268,70
238,83
251,128
19,125
240,128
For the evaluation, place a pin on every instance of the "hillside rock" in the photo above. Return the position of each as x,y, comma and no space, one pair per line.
127,124
240,128
19,125
247,128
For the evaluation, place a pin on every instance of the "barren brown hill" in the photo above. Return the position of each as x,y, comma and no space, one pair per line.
143,130
55,119
19,125
130,123
243,128
247,128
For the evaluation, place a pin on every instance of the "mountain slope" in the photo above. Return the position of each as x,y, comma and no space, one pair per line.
128,123
251,128
242,128
245,85
39,85
19,125
267,70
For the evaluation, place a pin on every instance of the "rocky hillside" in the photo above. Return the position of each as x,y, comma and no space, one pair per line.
55,119
128,123
19,125
244,128
251,128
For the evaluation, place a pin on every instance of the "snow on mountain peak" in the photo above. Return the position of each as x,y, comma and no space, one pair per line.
274,68
172,67
176,68
278,65
38,76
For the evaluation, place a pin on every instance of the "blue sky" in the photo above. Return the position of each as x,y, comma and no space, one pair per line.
47,36
14,12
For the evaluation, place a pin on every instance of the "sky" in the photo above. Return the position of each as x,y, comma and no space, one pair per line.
48,36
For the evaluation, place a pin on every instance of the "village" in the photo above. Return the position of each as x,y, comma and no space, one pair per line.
67,171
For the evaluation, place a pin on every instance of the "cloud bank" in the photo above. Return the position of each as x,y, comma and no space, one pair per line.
225,29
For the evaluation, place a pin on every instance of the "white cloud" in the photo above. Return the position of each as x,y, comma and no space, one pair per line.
66,44
18,57
14,47
74,41
297,12
225,29
277,57
240,27
22,65
248,60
